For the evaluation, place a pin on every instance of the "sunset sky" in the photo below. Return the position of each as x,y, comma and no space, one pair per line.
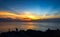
34,9
29,10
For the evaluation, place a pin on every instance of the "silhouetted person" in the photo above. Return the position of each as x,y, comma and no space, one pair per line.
16,29
8,30
57,29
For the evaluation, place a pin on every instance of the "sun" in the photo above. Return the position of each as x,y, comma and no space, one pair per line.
30,16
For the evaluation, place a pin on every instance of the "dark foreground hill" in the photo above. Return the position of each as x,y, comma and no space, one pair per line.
31,33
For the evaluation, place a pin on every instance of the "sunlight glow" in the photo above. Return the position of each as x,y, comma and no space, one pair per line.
25,16
30,15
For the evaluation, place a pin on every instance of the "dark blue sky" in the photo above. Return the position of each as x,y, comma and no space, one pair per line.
50,7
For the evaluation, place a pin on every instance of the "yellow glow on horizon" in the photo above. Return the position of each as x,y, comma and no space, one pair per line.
25,16
29,15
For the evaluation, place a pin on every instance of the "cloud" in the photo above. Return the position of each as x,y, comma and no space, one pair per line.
57,13
27,15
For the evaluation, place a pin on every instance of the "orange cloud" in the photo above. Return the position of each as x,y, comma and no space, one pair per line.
4,14
25,16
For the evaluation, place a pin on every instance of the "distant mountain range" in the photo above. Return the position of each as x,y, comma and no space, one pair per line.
39,20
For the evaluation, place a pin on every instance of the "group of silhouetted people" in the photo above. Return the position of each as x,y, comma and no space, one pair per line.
31,33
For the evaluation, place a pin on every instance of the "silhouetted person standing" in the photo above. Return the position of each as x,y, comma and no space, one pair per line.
16,29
